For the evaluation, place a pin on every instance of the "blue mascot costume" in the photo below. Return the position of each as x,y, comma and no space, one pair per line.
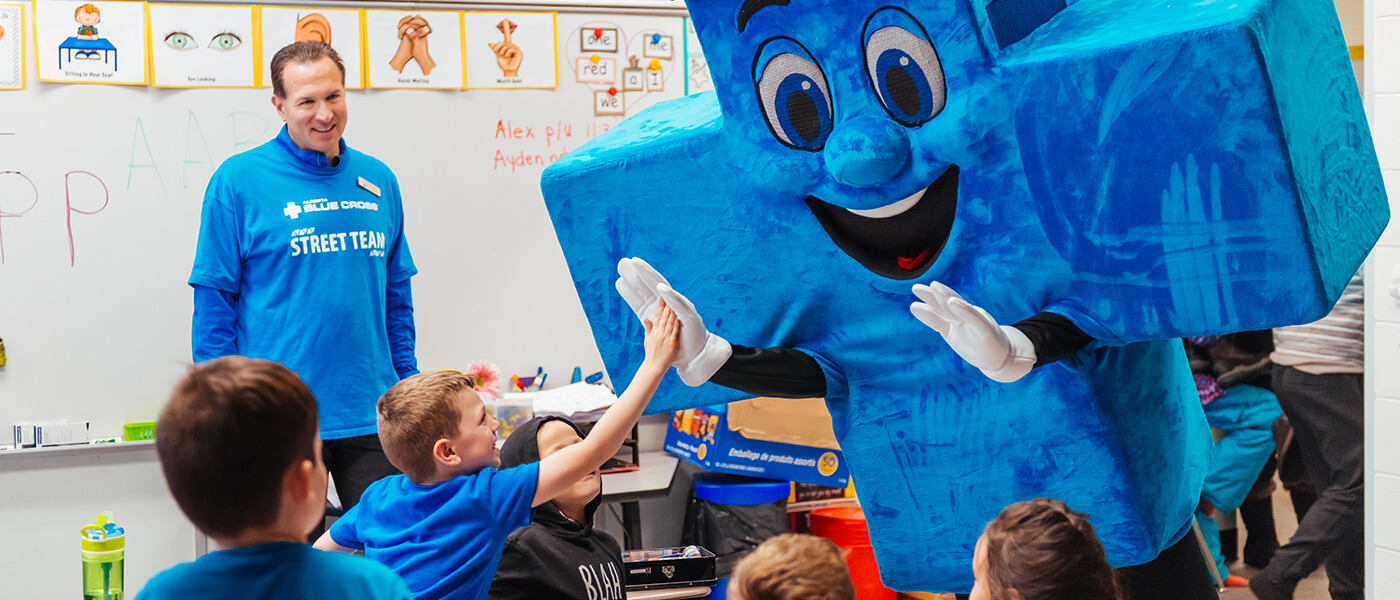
978,229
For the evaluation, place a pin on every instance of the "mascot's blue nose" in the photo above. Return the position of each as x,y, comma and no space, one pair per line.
866,151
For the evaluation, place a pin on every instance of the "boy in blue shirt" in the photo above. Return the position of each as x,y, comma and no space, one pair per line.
443,524
240,452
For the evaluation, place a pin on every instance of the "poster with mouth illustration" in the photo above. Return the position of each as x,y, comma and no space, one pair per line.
413,49
203,46
11,47
95,41
339,27
506,50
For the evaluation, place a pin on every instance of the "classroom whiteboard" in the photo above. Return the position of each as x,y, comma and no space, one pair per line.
100,195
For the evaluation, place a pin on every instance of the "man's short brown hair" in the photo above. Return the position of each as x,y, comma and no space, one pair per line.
232,429
794,566
415,414
302,53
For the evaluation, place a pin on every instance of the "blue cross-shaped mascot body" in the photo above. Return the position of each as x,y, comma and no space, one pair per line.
1076,184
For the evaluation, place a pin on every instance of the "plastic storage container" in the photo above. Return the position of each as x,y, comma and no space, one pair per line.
845,526
132,432
731,515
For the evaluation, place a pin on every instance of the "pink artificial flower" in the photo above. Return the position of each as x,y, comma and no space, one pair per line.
486,378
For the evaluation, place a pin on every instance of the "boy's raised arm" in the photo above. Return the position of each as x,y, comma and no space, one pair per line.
562,469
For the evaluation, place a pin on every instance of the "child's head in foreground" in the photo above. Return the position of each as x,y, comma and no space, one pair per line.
792,566
434,426
239,447
1041,550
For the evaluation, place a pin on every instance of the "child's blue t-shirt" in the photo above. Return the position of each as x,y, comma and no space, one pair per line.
310,249
275,571
446,539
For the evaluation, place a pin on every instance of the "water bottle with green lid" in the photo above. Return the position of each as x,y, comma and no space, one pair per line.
104,549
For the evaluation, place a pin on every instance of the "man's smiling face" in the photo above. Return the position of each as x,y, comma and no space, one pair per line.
314,108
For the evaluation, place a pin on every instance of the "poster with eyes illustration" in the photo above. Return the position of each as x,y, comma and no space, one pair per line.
11,47
203,46
92,41
413,49
339,27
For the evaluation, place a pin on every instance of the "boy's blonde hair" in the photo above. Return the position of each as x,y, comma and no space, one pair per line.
793,566
415,414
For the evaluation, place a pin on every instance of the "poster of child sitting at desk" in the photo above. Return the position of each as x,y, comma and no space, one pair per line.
72,48
202,46
11,47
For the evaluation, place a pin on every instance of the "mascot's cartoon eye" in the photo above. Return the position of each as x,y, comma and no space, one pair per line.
796,101
906,72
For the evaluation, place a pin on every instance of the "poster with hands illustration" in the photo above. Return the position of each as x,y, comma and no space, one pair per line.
11,47
339,27
202,46
413,49
510,50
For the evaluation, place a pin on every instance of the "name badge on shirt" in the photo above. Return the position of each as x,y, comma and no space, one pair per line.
373,189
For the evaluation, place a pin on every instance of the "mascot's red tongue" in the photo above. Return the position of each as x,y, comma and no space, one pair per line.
909,264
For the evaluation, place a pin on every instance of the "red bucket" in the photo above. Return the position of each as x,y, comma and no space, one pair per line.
845,526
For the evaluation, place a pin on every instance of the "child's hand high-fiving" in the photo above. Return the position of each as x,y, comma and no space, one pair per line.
663,338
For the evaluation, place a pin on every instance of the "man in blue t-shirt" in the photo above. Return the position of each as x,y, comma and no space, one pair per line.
302,260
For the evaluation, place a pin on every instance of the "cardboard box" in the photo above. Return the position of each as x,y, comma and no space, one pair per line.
765,437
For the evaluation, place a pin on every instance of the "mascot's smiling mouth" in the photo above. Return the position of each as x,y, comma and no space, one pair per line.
899,240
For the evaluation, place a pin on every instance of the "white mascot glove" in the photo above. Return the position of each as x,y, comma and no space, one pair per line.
1003,353
702,353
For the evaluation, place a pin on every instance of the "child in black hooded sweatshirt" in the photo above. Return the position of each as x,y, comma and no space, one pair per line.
559,554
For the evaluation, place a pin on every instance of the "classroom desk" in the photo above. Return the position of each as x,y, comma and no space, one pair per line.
690,592
97,45
652,480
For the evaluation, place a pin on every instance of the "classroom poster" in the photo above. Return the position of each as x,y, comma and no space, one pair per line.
508,50
643,63
697,70
413,49
339,27
95,41
194,45
11,47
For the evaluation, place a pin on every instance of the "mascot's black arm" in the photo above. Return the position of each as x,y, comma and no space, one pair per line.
782,372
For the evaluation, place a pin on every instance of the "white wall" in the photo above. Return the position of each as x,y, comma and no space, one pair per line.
1382,93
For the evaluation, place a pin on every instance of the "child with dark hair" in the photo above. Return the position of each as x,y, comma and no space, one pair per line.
559,555
238,446
1041,550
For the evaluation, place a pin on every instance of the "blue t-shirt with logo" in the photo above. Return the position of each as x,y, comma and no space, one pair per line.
275,571
309,249
445,539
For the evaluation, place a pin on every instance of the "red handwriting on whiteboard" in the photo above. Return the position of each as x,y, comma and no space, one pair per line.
68,200
6,177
